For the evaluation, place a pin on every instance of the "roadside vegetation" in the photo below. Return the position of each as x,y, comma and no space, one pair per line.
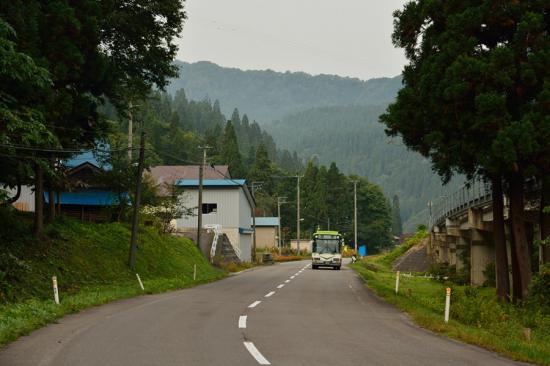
521,331
90,262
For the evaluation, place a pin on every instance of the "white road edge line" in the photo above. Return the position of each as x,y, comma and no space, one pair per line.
287,281
255,353
254,304
281,285
242,321
270,294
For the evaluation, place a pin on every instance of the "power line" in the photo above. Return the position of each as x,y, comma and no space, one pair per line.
61,150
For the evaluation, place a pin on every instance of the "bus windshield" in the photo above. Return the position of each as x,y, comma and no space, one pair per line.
326,246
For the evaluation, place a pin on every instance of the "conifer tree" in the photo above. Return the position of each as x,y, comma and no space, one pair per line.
475,100
397,227
230,154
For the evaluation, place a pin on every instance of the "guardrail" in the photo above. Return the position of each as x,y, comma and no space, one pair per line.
472,194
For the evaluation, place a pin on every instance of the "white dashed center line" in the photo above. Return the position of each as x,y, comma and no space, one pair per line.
292,277
281,285
287,281
270,294
242,321
254,304
255,353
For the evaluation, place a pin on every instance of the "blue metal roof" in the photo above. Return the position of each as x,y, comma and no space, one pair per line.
211,182
91,158
87,198
267,221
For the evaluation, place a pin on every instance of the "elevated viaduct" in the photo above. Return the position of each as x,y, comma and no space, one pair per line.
461,228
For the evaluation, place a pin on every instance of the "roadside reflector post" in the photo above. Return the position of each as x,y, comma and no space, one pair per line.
447,304
140,283
55,290
396,282
194,272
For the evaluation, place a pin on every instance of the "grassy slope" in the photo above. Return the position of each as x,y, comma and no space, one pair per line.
89,261
476,317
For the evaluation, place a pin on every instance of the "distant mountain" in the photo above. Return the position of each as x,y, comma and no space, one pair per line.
268,95
331,117
352,137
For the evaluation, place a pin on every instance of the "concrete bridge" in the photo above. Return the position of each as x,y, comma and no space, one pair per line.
461,226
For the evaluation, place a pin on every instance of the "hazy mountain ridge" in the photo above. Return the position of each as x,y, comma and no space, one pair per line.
267,95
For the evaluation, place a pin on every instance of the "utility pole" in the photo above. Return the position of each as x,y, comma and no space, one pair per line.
298,214
280,200
135,216
130,130
199,209
355,217
254,186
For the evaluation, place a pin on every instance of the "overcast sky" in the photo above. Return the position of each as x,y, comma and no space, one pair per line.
343,37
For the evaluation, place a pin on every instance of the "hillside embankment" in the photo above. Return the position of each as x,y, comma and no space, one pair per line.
90,263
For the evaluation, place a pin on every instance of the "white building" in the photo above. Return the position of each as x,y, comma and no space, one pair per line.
226,202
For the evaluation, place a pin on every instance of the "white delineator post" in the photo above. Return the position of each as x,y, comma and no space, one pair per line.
447,304
140,283
396,282
55,290
194,272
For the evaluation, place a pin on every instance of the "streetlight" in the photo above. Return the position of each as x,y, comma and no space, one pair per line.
254,186
280,201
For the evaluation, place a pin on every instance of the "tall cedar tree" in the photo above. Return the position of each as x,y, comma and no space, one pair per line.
475,97
396,226
230,154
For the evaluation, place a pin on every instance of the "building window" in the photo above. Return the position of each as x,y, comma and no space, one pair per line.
209,208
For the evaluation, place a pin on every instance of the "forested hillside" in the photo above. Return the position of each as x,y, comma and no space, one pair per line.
331,117
268,95
353,138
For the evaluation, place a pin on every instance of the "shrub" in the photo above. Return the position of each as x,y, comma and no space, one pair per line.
490,275
540,288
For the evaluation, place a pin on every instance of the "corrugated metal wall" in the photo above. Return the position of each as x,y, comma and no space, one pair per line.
25,201
228,207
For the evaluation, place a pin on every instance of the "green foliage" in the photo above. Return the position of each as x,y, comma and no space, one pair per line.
540,288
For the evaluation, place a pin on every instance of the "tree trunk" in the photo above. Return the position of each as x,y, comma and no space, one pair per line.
545,218
58,195
38,200
520,238
51,206
516,279
501,253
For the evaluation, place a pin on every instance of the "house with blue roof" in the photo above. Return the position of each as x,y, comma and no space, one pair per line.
227,204
85,197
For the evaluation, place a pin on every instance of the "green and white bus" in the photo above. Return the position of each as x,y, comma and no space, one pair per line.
326,250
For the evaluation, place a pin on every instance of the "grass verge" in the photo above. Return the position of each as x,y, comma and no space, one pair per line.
518,332
89,261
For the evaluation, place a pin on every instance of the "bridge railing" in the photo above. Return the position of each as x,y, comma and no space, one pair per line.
472,194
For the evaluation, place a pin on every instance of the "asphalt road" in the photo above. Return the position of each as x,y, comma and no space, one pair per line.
317,317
